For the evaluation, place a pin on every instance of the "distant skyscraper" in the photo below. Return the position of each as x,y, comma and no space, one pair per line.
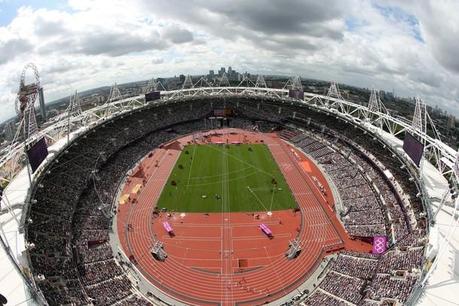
451,124
221,71
41,98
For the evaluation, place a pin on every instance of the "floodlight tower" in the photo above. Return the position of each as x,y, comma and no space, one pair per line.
294,83
153,85
25,102
115,95
333,91
246,81
188,83
375,106
456,167
420,116
202,82
261,82
73,111
224,80
423,122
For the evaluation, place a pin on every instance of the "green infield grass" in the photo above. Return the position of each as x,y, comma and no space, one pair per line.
226,178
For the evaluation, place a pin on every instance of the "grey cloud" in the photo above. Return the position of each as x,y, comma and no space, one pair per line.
104,42
264,23
280,17
11,48
157,60
47,28
60,67
178,35
116,44
444,44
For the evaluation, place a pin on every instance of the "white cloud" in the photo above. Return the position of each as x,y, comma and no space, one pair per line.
408,46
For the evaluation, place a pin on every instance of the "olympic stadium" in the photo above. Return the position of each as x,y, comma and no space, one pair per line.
216,194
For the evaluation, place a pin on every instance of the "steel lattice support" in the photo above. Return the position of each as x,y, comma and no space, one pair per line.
188,83
333,91
440,154
25,102
224,80
419,117
246,81
202,82
115,95
294,83
153,85
374,104
456,166
30,121
74,109
260,82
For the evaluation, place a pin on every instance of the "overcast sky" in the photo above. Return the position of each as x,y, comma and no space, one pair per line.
410,47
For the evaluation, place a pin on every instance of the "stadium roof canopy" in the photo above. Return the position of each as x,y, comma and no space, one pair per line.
442,287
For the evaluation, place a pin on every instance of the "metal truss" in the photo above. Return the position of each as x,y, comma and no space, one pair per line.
115,95
294,83
153,85
224,80
188,83
373,118
202,82
246,81
261,82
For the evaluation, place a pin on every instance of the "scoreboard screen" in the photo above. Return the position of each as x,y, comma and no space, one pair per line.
151,96
413,147
296,94
37,154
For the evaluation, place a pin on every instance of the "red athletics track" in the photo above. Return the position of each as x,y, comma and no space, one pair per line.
223,258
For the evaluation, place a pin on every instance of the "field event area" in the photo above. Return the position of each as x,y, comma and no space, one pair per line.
226,178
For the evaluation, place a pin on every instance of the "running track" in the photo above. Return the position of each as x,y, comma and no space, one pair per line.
203,266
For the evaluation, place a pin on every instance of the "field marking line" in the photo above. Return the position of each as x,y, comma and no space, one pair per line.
242,161
229,238
222,229
218,175
259,201
279,278
227,180
191,166
272,198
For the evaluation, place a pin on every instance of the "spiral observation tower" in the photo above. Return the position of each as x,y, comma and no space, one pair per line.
160,199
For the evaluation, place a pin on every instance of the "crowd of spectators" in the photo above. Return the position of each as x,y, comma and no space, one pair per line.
368,279
321,298
346,287
358,174
355,191
385,286
70,215
356,266
364,186
69,220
